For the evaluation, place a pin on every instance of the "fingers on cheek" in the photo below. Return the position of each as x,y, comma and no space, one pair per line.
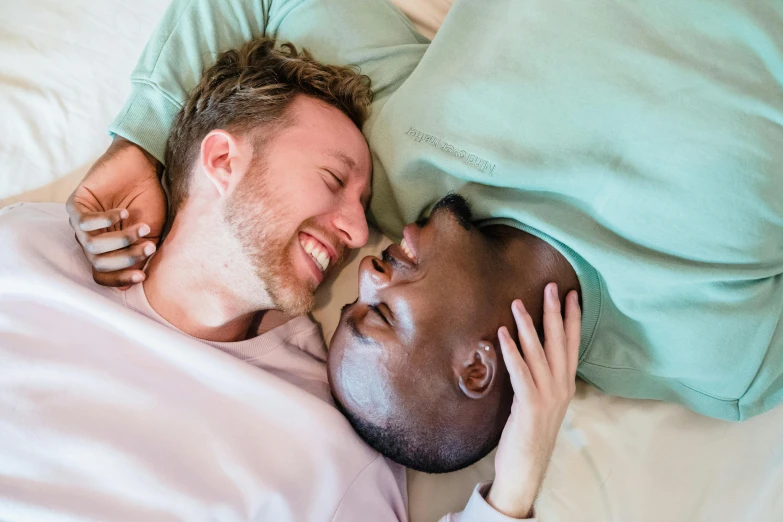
551,299
503,334
522,318
506,348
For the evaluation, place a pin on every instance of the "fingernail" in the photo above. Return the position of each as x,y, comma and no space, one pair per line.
518,304
136,278
503,332
149,249
124,214
144,230
552,291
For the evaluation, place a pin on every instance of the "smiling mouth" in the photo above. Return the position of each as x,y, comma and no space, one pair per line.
317,252
408,252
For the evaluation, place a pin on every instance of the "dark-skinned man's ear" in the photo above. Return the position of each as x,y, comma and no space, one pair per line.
477,372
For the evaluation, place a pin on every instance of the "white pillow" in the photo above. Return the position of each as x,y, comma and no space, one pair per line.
65,74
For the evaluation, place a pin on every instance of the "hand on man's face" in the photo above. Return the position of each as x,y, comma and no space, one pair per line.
543,378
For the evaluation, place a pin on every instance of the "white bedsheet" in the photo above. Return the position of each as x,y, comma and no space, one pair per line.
64,69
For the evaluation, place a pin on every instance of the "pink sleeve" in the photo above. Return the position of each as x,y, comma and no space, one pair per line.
478,510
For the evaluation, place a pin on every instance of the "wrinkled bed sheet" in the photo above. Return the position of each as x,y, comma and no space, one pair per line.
64,69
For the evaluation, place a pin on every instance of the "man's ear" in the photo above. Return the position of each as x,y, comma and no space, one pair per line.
477,371
222,160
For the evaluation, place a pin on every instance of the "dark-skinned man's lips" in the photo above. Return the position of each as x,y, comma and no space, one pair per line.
398,255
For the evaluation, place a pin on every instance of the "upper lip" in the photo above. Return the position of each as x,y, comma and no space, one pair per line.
329,248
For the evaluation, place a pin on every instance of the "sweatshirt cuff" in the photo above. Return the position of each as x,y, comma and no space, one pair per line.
479,510
146,119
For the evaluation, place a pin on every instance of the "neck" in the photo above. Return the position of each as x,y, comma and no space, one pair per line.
192,287
528,265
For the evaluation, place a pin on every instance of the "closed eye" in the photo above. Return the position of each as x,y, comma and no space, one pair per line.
336,178
378,311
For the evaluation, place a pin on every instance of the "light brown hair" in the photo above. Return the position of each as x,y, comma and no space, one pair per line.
248,90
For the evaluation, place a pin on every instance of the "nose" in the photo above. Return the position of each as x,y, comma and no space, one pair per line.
374,276
351,223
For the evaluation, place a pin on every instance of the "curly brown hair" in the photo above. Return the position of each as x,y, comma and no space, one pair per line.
249,89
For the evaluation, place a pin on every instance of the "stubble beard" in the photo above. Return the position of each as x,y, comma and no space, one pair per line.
258,221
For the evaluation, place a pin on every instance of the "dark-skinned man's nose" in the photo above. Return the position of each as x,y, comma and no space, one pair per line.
374,275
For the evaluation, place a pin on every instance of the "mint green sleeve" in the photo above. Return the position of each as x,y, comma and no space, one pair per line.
188,39
371,34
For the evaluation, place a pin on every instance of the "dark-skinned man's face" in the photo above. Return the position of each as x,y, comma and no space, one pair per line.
391,353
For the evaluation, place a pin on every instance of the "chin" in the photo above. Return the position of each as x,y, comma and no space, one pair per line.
297,303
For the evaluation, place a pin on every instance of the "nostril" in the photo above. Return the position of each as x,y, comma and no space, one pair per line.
377,265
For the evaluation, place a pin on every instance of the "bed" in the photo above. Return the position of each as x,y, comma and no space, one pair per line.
64,69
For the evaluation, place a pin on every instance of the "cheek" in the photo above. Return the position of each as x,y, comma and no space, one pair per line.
366,387
293,180
307,201
315,196
294,209
449,282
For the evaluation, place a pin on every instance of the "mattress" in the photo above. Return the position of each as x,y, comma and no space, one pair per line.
64,74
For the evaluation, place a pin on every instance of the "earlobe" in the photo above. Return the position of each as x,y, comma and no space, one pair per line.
477,374
219,160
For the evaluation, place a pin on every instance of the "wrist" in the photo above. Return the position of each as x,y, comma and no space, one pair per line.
119,144
515,503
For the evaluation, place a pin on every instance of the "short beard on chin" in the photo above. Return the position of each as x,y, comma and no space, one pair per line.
290,295
256,220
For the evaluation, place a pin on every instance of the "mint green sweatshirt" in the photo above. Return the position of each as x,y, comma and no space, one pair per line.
642,139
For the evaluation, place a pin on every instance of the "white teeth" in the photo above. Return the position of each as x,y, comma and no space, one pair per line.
320,257
407,250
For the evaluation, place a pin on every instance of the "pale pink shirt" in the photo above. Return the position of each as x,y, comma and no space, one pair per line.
107,412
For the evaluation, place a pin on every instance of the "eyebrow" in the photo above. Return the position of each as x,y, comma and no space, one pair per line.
341,156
